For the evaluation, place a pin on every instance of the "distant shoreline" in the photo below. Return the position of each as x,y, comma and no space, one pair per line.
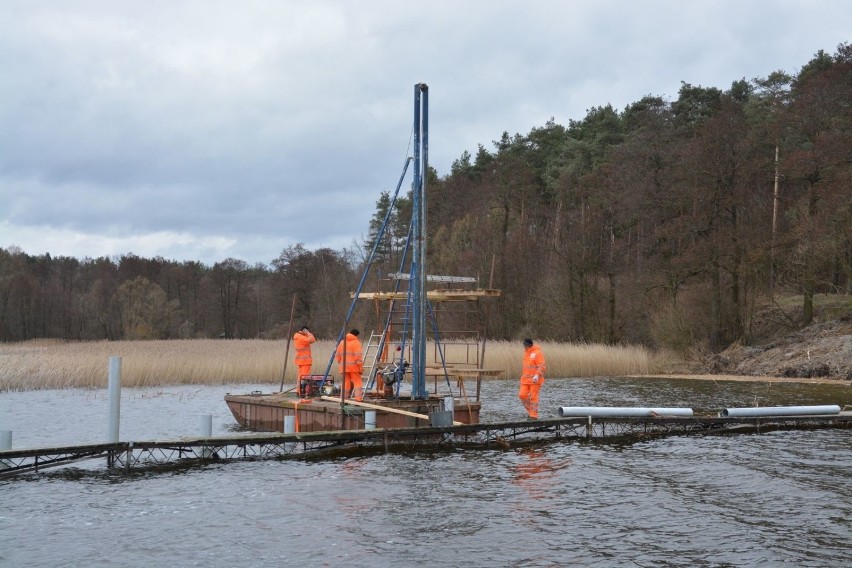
744,378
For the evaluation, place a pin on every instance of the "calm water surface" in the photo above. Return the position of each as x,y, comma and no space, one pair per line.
775,499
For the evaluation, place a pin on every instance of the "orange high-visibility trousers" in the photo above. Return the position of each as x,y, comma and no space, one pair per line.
351,380
304,370
529,397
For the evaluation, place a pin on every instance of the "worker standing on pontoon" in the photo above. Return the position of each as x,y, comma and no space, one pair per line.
351,364
532,377
303,360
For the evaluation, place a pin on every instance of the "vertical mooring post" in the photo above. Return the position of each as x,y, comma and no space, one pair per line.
114,398
589,427
206,424
114,395
289,428
5,444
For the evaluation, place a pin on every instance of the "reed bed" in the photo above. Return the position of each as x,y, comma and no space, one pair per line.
51,364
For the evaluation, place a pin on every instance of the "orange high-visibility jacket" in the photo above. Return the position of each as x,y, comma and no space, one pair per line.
354,360
303,340
533,365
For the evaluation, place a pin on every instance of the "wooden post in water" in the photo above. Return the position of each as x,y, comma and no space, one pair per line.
287,351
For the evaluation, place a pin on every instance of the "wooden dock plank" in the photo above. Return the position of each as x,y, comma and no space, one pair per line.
382,408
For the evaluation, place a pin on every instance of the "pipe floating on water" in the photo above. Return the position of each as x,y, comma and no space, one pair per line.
781,410
622,411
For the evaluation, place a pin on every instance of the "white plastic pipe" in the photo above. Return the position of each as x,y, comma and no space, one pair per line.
114,398
369,419
621,411
782,410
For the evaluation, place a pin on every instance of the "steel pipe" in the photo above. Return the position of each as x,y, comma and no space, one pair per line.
5,444
622,411
781,410
290,428
206,423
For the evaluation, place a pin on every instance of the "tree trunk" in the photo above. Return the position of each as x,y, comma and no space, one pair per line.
809,279
612,334
715,307
808,303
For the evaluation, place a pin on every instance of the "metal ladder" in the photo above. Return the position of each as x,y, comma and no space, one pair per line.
371,358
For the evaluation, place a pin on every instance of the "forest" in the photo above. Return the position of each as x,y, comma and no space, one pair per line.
669,223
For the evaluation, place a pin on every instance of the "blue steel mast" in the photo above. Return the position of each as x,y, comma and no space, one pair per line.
418,264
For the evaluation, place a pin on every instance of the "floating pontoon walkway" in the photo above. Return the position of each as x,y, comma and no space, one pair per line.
125,457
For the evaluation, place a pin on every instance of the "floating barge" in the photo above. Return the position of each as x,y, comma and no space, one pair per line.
267,412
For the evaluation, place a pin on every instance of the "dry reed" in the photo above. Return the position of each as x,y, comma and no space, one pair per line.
49,364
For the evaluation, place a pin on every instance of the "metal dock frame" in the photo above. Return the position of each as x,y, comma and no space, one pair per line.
126,457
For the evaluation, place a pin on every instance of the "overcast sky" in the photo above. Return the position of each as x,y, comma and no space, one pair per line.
203,130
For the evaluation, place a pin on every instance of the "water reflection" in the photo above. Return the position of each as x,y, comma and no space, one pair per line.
536,472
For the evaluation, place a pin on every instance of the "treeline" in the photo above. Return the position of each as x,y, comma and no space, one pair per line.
135,298
667,223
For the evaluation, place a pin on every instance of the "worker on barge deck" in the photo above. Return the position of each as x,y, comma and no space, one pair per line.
303,359
351,364
532,377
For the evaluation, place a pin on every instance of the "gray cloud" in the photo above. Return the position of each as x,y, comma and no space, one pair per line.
203,130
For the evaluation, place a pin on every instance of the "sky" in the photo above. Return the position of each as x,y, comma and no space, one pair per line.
207,130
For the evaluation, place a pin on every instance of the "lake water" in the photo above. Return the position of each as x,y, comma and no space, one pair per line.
780,498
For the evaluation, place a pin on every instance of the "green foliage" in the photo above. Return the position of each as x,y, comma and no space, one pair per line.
144,308
695,104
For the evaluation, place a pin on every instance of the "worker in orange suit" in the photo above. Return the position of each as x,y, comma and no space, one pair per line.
532,377
303,340
351,364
